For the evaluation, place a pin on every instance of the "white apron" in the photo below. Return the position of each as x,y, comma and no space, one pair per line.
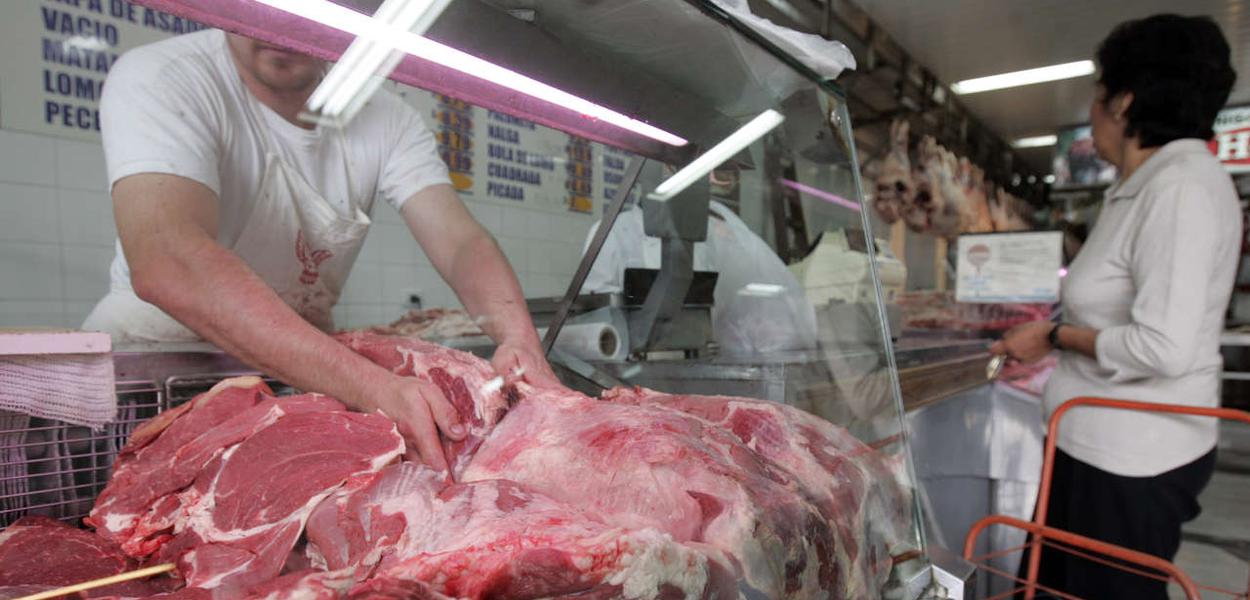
295,240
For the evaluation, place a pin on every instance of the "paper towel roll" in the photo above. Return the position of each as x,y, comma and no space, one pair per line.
590,341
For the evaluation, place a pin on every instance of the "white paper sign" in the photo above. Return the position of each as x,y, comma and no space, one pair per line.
1009,267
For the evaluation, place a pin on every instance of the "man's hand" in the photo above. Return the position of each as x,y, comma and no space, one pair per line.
420,412
470,260
1026,343
511,358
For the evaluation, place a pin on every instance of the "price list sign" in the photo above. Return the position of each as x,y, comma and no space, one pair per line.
59,53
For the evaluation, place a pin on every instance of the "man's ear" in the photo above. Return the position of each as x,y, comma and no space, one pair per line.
1120,105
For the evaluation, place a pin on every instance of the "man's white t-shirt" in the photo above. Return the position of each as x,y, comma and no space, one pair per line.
179,107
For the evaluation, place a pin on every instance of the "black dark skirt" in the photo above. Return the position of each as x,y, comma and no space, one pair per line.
1140,513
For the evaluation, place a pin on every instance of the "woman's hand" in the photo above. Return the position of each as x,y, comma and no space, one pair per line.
1026,343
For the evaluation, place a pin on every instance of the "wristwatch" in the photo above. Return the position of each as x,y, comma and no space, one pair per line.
1053,337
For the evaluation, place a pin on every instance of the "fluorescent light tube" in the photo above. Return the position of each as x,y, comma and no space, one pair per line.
363,67
699,167
819,193
763,290
363,26
1035,142
1079,68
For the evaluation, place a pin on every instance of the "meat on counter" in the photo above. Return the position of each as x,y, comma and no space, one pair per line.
556,494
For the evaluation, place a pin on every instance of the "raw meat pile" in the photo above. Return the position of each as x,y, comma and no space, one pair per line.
556,495
431,324
939,310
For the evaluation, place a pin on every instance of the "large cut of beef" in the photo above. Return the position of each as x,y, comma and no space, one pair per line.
223,485
406,529
794,507
635,495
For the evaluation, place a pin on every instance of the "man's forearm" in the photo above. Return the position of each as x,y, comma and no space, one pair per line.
212,291
489,290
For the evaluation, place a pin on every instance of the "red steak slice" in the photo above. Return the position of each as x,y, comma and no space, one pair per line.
39,553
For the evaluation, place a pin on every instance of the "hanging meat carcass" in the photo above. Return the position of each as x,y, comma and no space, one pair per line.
893,176
937,203
948,217
977,210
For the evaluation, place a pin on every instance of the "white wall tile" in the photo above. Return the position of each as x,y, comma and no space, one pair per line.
27,313
400,280
28,213
339,312
86,217
363,315
86,271
76,312
577,227
514,222
397,245
27,158
30,271
542,225
371,251
80,166
547,257
364,284
488,215
517,251
385,213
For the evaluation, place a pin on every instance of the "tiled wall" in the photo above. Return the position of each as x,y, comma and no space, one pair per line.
57,233
56,230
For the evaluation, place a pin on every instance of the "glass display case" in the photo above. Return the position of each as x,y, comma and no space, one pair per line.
575,131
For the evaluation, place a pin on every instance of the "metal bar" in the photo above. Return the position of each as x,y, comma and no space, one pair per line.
1048,459
95,438
54,473
59,503
58,458
592,252
1041,532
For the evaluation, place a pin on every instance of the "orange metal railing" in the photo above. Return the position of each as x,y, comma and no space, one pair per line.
1040,533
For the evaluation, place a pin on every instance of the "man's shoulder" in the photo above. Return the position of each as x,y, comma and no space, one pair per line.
191,55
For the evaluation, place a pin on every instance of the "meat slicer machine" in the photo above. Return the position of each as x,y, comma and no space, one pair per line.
659,313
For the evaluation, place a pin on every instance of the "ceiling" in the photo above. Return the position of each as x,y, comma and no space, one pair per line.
962,39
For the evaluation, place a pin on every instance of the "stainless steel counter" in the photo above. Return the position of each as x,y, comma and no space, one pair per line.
930,369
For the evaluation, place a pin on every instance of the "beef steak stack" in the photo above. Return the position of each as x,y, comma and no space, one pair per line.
556,495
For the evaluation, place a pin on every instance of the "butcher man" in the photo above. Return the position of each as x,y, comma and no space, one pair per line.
238,223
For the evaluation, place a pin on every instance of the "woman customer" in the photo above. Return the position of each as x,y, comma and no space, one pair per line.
1144,300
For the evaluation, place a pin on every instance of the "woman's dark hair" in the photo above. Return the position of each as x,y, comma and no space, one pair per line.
1178,71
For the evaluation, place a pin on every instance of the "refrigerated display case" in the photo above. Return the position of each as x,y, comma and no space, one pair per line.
738,324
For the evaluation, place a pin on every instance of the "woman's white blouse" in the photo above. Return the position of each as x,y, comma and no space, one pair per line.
1154,278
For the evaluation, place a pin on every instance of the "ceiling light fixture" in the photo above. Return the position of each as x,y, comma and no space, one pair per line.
1040,141
363,67
364,26
1079,68
721,152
